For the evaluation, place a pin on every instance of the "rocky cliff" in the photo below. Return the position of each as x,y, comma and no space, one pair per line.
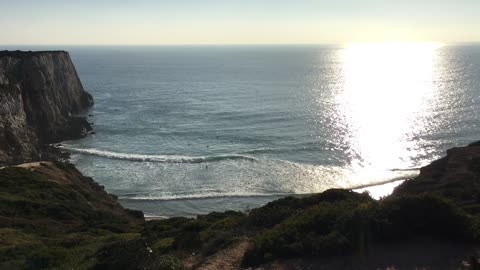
40,93
455,176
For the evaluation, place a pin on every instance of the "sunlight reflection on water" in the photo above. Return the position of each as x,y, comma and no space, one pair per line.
388,87
305,119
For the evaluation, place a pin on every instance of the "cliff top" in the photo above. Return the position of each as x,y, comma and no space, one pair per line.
19,53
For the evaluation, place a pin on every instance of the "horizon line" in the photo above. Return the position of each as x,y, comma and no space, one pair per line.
247,44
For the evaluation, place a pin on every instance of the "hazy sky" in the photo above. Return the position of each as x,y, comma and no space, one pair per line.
236,21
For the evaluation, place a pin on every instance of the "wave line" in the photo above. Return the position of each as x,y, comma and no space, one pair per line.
156,158
202,196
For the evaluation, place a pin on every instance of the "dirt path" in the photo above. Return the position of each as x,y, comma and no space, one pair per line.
229,258
25,165
32,164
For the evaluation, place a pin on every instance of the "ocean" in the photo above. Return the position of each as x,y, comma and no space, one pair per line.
186,130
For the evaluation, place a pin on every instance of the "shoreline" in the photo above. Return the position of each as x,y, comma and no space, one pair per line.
376,192
381,190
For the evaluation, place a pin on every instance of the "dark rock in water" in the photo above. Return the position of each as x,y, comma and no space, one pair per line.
39,94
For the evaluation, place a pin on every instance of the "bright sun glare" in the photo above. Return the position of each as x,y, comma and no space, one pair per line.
386,85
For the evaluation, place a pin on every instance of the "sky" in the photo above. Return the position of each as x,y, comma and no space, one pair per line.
149,22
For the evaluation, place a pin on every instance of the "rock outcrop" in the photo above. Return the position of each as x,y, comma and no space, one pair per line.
40,93
455,176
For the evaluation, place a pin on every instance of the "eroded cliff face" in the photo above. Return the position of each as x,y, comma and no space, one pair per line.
40,93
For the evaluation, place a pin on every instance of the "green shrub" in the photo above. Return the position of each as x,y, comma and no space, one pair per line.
431,215
343,224
163,245
168,262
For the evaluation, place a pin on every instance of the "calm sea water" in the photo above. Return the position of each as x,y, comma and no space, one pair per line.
192,129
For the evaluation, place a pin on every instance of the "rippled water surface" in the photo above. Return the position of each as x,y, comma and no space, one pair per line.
189,130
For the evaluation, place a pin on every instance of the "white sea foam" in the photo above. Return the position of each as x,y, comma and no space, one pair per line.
156,158
154,217
172,197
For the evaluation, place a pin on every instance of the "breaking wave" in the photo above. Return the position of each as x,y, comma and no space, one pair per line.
156,158
173,197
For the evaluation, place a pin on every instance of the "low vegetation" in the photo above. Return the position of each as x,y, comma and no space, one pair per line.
48,224
354,224
52,217
335,222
